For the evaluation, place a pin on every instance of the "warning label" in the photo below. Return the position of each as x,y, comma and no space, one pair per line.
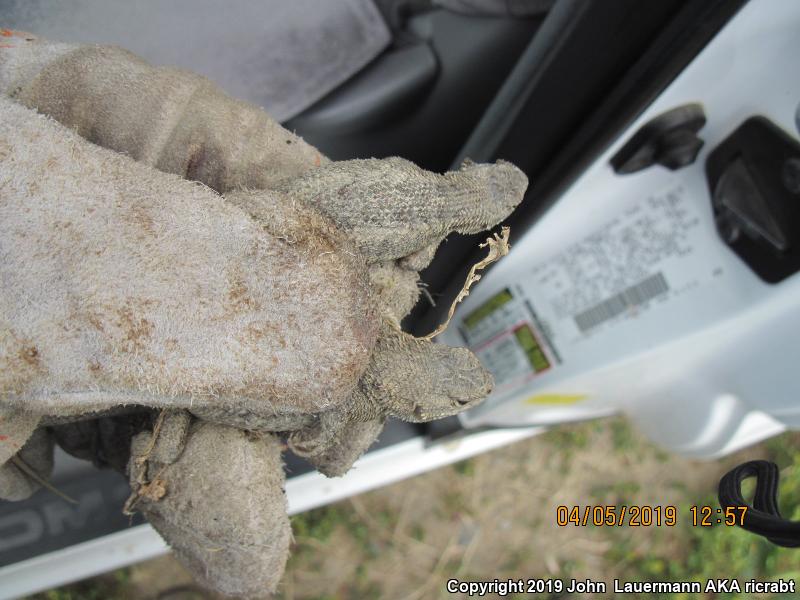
504,334
578,306
565,310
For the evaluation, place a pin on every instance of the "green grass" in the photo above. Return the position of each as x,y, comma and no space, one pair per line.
465,468
683,553
618,493
622,436
418,532
721,551
318,524
112,586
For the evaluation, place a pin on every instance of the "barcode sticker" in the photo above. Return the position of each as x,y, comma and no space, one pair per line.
643,260
650,288
579,302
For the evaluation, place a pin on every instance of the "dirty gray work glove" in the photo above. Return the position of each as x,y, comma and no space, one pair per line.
127,286
235,343
181,123
185,472
26,454
396,213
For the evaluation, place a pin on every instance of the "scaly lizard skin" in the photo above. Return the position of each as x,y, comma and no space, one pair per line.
409,379
181,123
393,209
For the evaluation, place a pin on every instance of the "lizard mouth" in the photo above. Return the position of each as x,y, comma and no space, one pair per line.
456,405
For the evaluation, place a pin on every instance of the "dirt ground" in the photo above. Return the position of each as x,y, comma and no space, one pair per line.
494,516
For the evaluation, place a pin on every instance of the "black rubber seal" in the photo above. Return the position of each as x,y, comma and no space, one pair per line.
762,517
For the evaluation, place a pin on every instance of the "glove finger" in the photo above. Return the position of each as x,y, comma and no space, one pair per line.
170,119
394,209
216,308
171,437
181,123
221,507
16,426
37,455
339,457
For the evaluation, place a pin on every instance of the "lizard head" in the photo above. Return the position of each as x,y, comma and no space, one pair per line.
420,381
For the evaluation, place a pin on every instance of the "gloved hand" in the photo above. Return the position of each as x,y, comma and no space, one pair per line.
124,285
181,123
185,472
26,454
270,310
